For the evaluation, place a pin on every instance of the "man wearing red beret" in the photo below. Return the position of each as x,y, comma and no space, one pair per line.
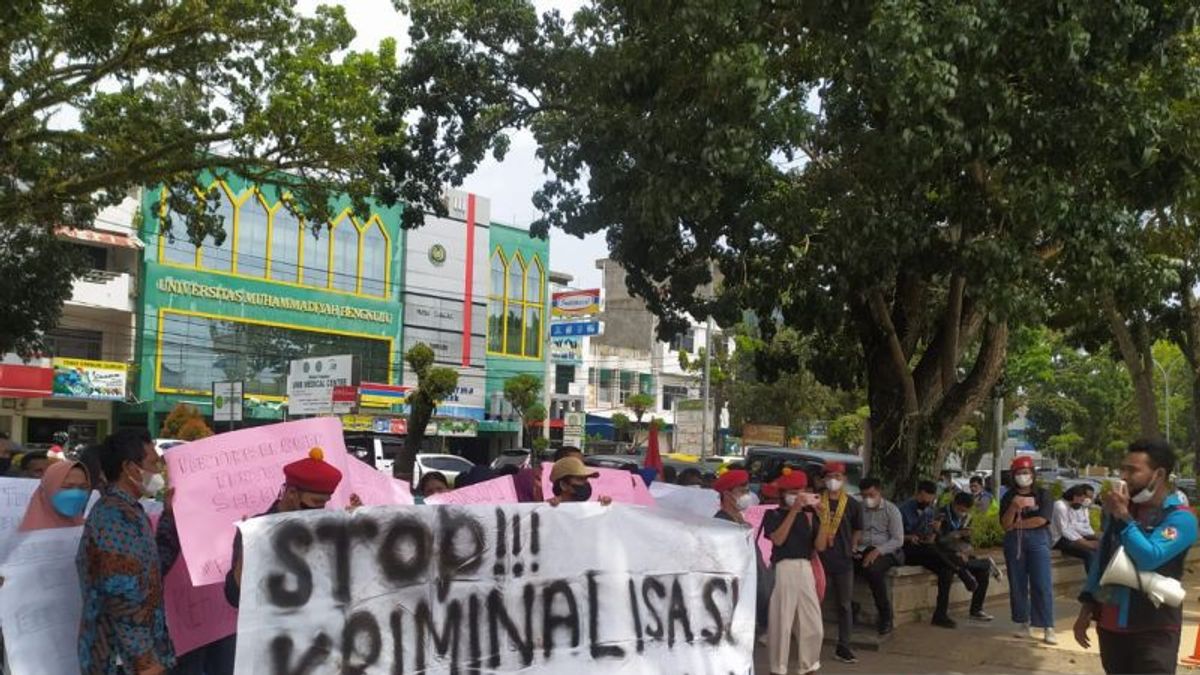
734,488
307,484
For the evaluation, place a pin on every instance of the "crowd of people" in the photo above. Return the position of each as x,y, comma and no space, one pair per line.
821,540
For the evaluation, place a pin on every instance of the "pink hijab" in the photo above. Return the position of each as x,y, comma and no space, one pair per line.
40,515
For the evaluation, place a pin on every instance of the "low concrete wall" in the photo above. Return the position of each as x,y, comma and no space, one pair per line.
914,590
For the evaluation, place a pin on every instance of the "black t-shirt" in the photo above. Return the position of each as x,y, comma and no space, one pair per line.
840,556
800,542
1043,508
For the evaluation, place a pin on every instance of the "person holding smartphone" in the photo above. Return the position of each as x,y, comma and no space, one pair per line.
1025,513
795,607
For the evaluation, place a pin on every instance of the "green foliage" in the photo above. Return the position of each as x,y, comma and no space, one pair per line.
986,530
38,270
1095,517
100,98
621,424
434,384
523,392
847,431
540,444
942,190
638,404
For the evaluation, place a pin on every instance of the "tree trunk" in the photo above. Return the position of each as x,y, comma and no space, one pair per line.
418,419
1140,364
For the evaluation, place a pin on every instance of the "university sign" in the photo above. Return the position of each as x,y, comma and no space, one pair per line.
175,286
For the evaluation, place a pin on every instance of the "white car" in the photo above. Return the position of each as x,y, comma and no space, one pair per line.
163,444
448,465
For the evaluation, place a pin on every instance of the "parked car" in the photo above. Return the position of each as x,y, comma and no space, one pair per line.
518,458
623,462
161,445
448,465
765,463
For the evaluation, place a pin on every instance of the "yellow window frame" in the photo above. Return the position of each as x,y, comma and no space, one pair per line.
522,305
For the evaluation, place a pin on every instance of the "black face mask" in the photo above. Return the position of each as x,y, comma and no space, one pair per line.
579,493
1076,505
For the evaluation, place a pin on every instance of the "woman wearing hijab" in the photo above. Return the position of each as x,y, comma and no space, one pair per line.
60,499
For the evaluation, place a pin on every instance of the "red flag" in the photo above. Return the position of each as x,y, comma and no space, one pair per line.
653,458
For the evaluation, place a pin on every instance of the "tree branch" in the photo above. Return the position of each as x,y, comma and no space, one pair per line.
883,320
950,328
966,396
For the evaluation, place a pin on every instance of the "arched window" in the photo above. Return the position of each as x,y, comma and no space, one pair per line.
285,245
374,259
345,256
315,256
176,247
514,311
495,337
533,309
214,256
253,218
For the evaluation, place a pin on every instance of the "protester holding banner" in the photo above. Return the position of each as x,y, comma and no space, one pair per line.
123,626
432,483
734,488
569,478
60,498
308,484
795,608
841,526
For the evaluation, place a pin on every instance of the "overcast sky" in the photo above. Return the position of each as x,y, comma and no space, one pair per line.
509,184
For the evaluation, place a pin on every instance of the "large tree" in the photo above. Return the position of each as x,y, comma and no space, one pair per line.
893,177
98,98
434,384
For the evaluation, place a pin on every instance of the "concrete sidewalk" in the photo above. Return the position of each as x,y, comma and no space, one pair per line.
993,647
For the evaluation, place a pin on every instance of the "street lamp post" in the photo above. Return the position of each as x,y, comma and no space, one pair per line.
1166,397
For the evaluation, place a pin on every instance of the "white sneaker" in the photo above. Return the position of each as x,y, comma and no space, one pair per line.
1023,631
1049,638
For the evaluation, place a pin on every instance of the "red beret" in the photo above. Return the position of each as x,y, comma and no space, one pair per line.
792,479
1022,462
734,478
313,474
835,467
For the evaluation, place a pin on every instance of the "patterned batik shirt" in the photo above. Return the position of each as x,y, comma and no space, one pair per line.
124,623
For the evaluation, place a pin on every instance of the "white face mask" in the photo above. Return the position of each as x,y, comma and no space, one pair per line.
745,501
151,483
1087,502
788,500
833,484
1146,494
1023,479
874,502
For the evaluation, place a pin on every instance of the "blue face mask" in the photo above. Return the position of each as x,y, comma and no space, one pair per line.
70,502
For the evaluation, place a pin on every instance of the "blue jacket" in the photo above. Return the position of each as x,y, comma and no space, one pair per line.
1161,547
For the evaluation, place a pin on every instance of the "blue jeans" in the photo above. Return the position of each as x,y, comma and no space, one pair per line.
1027,553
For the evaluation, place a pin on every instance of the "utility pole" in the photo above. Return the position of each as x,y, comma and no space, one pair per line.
547,382
708,328
997,434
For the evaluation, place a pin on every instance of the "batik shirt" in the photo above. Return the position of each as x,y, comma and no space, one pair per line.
124,624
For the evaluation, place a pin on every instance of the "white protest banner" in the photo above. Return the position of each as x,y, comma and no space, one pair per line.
221,479
15,494
500,490
517,588
40,602
697,501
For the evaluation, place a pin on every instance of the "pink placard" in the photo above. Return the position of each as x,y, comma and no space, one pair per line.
196,615
754,516
221,479
496,491
375,488
618,484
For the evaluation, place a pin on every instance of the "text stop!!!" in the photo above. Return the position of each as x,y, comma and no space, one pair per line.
495,589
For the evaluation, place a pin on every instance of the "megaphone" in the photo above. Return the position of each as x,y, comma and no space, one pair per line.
1160,589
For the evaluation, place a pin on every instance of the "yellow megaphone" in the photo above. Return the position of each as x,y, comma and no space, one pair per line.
1160,589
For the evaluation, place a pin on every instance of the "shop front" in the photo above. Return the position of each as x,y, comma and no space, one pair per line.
271,292
44,397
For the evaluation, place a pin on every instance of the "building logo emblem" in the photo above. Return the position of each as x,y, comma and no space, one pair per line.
437,254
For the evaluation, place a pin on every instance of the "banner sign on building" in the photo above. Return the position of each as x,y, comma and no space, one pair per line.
570,304
580,328
573,428
764,434
567,351
100,380
227,400
377,395
345,397
311,381
512,588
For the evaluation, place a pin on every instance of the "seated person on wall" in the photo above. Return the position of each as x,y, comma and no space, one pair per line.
1071,525
924,546
880,548
954,543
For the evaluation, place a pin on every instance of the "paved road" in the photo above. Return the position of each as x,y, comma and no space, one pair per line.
993,648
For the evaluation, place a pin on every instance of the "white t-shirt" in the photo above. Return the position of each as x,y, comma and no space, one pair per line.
1068,523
